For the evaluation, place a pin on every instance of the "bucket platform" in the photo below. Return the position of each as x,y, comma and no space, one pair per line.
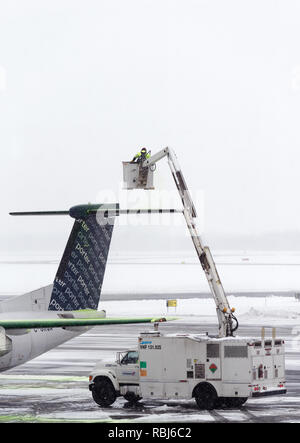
135,176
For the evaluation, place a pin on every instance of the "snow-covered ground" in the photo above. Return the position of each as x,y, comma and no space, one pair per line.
171,273
53,387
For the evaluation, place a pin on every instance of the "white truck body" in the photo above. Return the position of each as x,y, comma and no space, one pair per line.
171,366
174,366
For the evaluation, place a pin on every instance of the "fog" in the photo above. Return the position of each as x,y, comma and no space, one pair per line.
86,84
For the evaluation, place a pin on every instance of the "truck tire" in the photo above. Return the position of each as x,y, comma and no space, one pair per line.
235,402
132,398
103,392
206,396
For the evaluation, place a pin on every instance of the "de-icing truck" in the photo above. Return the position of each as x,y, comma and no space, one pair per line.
215,370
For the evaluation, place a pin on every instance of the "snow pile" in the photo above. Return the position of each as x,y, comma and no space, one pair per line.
273,309
271,313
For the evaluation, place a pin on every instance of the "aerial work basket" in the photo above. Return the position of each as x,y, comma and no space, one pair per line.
135,176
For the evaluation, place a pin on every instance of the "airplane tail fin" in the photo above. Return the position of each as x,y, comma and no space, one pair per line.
78,281
79,278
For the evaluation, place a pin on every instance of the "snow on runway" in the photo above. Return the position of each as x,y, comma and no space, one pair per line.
54,386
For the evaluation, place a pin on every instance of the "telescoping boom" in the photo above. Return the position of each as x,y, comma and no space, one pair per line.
227,321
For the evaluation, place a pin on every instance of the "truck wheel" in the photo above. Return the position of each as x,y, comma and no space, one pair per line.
104,393
206,396
131,397
235,402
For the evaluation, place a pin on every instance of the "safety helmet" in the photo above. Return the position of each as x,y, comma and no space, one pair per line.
143,150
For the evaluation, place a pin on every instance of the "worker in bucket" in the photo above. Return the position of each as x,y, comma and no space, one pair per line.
141,156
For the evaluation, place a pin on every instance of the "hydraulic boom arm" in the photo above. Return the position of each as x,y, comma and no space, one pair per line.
224,313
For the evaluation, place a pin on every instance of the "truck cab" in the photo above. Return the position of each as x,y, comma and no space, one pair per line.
109,380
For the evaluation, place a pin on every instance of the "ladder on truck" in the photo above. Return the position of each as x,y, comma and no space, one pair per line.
227,321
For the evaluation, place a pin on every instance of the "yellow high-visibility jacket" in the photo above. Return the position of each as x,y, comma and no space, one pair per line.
139,154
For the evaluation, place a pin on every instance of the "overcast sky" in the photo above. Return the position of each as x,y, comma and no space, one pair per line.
85,84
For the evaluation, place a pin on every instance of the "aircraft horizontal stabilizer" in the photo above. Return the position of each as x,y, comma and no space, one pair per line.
102,210
73,322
